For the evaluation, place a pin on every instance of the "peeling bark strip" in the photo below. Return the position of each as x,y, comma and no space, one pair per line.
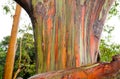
96,71
66,32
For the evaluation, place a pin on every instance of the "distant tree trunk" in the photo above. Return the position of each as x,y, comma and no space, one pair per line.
66,32
9,65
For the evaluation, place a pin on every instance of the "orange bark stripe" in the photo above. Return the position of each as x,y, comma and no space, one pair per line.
92,45
56,42
64,54
83,21
76,49
49,24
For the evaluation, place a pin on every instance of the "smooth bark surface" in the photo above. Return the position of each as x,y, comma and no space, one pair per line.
9,65
96,71
66,32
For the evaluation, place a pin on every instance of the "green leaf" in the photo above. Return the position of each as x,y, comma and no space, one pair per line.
7,9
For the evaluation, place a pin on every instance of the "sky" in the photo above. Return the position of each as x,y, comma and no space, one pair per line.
114,21
6,23
6,20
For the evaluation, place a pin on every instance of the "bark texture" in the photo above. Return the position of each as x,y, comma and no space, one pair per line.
96,71
66,32
9,65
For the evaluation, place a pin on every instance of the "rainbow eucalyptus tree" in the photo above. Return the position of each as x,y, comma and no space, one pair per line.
66,32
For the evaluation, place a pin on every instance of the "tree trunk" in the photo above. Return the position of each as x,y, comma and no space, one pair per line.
9,65
96,71
66,32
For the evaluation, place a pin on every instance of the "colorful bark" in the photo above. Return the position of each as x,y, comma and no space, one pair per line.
96,71
67,32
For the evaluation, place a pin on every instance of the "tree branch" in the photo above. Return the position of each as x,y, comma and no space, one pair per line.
26,4
96,71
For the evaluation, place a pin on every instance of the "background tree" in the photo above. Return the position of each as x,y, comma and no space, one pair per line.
26,48
27,62
9,65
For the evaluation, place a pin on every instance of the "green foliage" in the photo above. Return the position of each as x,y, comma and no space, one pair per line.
114,9
2,62
4,43
28,56
27,62
7,9
107,31
107,48
107,51
26,48
3,48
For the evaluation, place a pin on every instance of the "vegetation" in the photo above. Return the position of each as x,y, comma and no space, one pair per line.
107,48
25,47
25,54
27,62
